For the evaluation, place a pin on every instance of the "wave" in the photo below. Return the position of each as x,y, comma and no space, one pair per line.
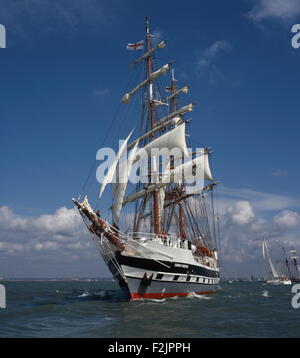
201,297
265,293
85,294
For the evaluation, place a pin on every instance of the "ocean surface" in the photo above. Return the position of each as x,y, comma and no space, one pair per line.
97,309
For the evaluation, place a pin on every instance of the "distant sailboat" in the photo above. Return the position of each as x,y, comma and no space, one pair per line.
273,277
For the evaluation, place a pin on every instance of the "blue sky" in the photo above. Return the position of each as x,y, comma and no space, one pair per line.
63,73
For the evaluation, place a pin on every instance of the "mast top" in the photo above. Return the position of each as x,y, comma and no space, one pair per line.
147,26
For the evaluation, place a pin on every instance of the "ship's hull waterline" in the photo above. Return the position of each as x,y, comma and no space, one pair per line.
146,283
164,289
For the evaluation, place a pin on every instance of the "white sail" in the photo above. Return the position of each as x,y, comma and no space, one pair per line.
174,139
172,118
179,174
207,171
197,169
122,185
162,71
263,250
267,257
111,171
173,121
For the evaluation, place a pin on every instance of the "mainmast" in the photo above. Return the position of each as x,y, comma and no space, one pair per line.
157,228
181,223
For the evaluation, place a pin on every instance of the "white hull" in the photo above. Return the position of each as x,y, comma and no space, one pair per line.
280,281
158,276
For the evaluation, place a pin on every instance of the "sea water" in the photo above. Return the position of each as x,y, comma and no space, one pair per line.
98,309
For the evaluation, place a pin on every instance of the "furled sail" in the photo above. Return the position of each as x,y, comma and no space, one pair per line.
111,171
162,71
185,89
162,44
180,111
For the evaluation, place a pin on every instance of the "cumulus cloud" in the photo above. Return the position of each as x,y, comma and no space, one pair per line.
48,232
241,213
243,228
287,219
283,10
247,217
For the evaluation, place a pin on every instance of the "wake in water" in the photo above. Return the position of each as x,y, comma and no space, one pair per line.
265,293
101,295
201,297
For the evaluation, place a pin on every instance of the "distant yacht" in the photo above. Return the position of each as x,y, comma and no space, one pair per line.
273,275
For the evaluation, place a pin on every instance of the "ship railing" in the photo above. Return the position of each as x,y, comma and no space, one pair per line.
164,239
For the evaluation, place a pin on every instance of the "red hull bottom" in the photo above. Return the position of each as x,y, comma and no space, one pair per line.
135,296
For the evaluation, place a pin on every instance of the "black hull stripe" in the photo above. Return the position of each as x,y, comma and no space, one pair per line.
173,281
151,265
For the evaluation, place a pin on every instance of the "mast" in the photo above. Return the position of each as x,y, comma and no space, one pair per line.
152,121
181,222
294,258
287,263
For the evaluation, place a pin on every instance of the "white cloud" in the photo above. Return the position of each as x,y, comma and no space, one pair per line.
244,225
241,213
62,237
48,232
261,201
211,52
47,245
282,10
287,219
207,62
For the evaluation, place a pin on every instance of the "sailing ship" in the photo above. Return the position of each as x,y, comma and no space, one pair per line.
273,275
292,266
170,247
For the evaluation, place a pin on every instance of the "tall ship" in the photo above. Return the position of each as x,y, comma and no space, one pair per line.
292,265
163,236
